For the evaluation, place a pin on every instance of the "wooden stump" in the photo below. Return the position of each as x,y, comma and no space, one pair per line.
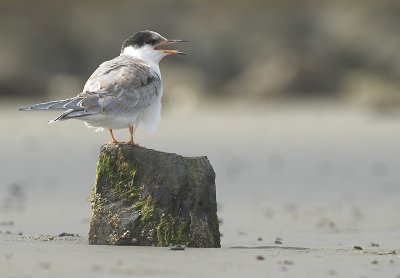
150,198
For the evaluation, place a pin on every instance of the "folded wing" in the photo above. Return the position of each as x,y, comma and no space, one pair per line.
121,85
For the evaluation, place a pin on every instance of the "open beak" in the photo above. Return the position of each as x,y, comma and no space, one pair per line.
170,51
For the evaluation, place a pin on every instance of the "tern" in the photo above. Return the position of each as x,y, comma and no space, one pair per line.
124,92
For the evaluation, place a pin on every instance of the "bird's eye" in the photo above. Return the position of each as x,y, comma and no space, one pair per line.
151,41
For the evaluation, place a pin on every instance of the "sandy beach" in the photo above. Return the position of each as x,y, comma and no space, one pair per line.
298,188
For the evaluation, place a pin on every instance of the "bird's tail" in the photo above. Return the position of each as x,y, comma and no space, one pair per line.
66,104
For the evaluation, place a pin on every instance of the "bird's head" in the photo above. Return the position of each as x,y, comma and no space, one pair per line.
148,45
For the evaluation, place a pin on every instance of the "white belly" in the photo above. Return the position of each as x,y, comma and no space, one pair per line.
111,122
150,118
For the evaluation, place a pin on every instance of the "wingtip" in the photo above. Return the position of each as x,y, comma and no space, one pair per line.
52,121
27,108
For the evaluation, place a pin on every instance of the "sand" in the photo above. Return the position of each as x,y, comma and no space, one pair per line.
75,258
298,188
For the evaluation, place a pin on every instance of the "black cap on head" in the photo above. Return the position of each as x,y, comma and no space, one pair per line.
141,38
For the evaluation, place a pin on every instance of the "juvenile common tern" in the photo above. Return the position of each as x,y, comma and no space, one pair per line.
124,92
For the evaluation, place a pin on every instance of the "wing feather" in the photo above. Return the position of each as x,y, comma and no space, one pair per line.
121,85
54,105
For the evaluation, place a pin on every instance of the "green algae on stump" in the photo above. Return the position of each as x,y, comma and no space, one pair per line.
150,198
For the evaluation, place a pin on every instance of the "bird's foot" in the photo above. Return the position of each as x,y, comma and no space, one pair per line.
131,142
114,142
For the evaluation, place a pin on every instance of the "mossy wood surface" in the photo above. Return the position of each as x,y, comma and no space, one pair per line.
150,198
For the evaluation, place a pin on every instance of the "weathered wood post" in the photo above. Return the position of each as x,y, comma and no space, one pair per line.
151,198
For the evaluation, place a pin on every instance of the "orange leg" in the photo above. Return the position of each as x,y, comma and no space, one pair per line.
131,142
113,141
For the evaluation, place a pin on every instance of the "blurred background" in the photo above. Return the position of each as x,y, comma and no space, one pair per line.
247,51
294,102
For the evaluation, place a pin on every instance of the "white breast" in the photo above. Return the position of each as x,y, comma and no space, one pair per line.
150,118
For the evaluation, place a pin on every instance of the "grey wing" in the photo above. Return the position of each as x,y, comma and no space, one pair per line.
65,104
121,85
